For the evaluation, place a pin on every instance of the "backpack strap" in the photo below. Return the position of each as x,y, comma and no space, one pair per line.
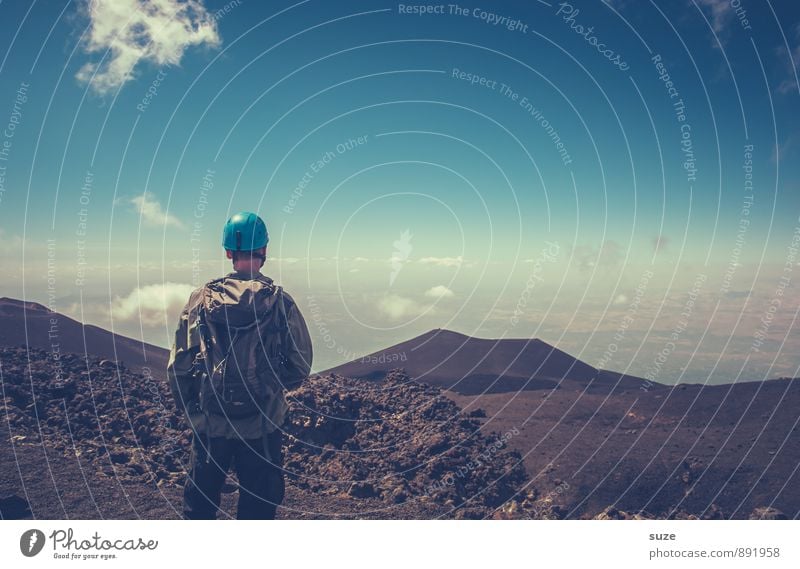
202,362
283,322
204,333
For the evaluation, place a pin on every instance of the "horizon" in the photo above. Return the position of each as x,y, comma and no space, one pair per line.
362,357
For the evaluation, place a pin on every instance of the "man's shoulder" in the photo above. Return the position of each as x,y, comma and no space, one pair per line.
195,298
288,299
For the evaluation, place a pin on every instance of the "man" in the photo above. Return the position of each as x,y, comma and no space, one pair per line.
241,343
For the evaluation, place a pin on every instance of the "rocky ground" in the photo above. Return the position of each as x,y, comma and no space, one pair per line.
712,452
87,438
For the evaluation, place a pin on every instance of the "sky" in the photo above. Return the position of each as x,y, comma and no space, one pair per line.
617,178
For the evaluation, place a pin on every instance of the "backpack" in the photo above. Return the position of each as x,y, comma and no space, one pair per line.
241,355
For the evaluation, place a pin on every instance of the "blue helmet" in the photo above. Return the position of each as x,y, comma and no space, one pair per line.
245,231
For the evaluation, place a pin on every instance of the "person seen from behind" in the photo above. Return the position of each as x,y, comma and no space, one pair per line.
240,345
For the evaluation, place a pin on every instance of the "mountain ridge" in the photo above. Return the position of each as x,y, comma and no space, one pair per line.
30,325
470,365
91,340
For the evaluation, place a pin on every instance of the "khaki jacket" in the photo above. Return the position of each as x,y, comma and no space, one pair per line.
186,389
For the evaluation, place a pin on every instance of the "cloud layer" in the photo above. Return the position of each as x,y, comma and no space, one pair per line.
443,261
152,213
395,306
127,32
439,291
153,304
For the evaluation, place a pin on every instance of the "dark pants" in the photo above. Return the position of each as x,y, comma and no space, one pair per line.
261,481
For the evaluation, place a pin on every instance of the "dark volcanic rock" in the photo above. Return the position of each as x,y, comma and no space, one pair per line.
14,508
95,409
393,442
768,513
397,448
612,513
398,439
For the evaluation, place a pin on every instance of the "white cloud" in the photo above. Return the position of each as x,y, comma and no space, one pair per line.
150,210
780,151
439,291
9,242
791,62
153,304
608,255
395,306
721,11
126,32
443,261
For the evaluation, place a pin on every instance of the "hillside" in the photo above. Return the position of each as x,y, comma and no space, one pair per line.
472,366
34,325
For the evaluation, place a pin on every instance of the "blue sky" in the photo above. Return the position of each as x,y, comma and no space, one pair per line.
505,171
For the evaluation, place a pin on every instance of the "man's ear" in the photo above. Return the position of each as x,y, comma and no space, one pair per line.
229,253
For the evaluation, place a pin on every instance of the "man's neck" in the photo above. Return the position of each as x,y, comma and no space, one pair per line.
247,271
